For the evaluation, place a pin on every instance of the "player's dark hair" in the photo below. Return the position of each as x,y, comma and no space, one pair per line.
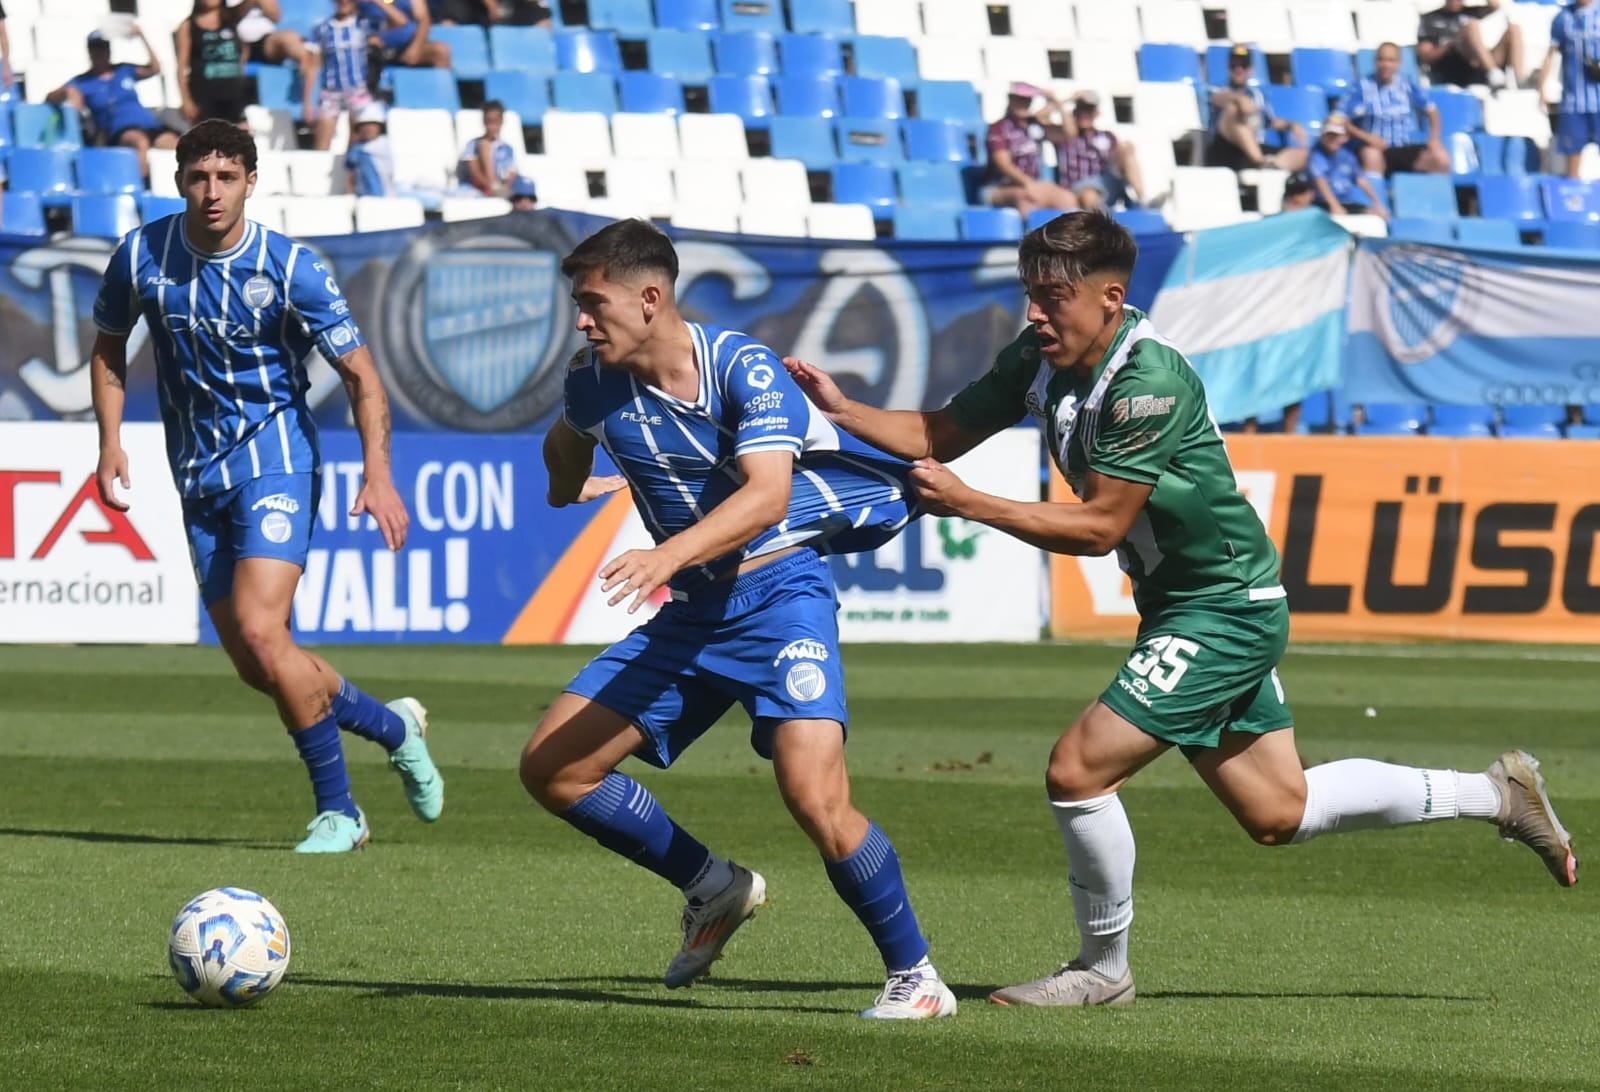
623,250
1075,246
494,106
217,137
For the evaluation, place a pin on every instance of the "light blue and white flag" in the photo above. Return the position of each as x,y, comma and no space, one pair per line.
1470,327
1258,309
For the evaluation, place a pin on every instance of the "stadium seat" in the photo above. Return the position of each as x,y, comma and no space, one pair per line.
1532,421
301,15
935,141
1038,218
684,54
808,139
745,53
154,207
1391,419
830,221
1418,229
276,89
1367,57
388,213
36,125
931,185
1428,196
1459,111
1160,62
429,138
1511,197
424,89
1307,105
1491,234
454,209
530,49
646,136
708,184
748,96
1141,221
22,214
781,221
1386,21
590,92
1461,421
1572,234
1322,23
267,211
561,184
1109,23
43,171
629,18
588,51
525,92
1505,154
990,225
1172,109
723,219
319,216
469,53
1048,22
870,184
951,59
773,182
1180,22
313,173
895,18
642,185
884,58
272,173
753,15
1570,199
1217,65
873,139
688,14
823,17
1266,24
469,126
580,138
955,19
869,97
1331,70
1017,59
806,96
1204,197
109,170
949,100
651,93
712,137
810,55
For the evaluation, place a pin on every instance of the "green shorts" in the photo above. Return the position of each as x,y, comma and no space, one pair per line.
1198,670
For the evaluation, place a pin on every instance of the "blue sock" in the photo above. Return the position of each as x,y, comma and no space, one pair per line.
621,815
366,716
323,755
870,883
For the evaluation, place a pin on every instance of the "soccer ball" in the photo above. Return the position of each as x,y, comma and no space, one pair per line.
228,947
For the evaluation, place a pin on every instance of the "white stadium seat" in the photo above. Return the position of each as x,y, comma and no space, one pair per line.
452,209
775,183
387,213
424,149
266,211
1269,185
1262,22
1326,23
580,137
956,18
950,59
645,136
1204,197
312,216
1177,22
841,222
1099,21
696,217
1517,113
272,175
315,174
708,185
1016,59
1098,64
642,184
1156,160
561,183
890,18
786,221
1379,21
712,137
1172,109
163,163
1048,22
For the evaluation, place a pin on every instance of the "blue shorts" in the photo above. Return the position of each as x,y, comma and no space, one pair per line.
768,639
268,517
1573,131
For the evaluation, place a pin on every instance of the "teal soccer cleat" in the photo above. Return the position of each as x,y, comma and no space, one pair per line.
424,786
335,832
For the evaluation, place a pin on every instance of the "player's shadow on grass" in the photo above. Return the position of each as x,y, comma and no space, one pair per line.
127,838
555,990
1304,995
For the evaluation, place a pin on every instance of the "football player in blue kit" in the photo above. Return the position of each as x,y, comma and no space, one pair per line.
744,486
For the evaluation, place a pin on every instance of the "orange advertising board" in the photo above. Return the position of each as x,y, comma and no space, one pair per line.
1417,537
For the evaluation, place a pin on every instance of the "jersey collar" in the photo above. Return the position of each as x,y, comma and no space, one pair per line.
1130,319
228,255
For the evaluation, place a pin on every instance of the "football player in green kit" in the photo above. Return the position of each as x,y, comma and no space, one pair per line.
1126,421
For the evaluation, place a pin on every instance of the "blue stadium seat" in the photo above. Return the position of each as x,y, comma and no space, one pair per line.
935,141
1329,69
596,91
870,184
154,207
5,124
424,89
685,54
1511,197
583,50
876,140
1164,63
43,171
1316,412
1461,421
752,15
1392,419
1426,196
469,49
1532,422
301,15
1572,234
528,93
1459,111
1038,218
1493,234
949,100
1418,229
109,171
650,93
748,96
37,125
1142,221
1307,105
1570,199
870,97
807,96
1217,65
687,14
1366,61
745,53
887,58
1505,155
823,17
991,225
810,55
629,18
277,88
1342,411
933,185
922,223
530,48
808,139
22,214
104,216
1582,432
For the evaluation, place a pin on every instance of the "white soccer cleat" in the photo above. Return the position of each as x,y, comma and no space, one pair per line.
708,926
1073,986
916,994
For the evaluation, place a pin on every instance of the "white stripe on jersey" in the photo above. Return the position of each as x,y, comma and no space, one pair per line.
227,363
288,310
261,363
200,377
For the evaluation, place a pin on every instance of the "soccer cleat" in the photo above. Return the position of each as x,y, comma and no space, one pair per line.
424,785
1072,985
1526,815
916,994
707,926
335,832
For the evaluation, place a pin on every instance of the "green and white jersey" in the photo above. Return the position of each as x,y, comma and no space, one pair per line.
1140,415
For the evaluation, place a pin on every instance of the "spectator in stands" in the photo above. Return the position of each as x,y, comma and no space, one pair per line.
109,94
1240,117
336,70
449,13
5,51
524,194
211,59
1013,178
1383,110
1335,170
1575,38
406,43
1093,164
370,160
258,29
488,164
1299,192
1451,48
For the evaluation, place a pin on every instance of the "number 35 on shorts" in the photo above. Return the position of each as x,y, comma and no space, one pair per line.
1165,659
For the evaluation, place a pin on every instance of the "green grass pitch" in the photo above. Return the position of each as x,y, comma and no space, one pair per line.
498,949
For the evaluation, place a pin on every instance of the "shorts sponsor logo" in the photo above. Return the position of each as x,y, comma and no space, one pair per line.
276,527
258,292
805,682
278,502
1136,692
807,648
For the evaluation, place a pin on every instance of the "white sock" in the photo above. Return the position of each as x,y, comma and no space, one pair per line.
1100,856
1360,794
713,880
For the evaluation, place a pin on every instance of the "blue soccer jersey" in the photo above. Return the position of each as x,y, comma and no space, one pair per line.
1575,33
680,458
230,333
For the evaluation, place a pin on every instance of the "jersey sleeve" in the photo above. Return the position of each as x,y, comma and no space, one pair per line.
1141,423
116,308
1421,101
767,410
995,400
576,394
323,311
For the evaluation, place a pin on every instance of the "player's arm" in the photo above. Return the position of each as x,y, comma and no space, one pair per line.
108,381
569,464
370,407
1090,528
910,434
